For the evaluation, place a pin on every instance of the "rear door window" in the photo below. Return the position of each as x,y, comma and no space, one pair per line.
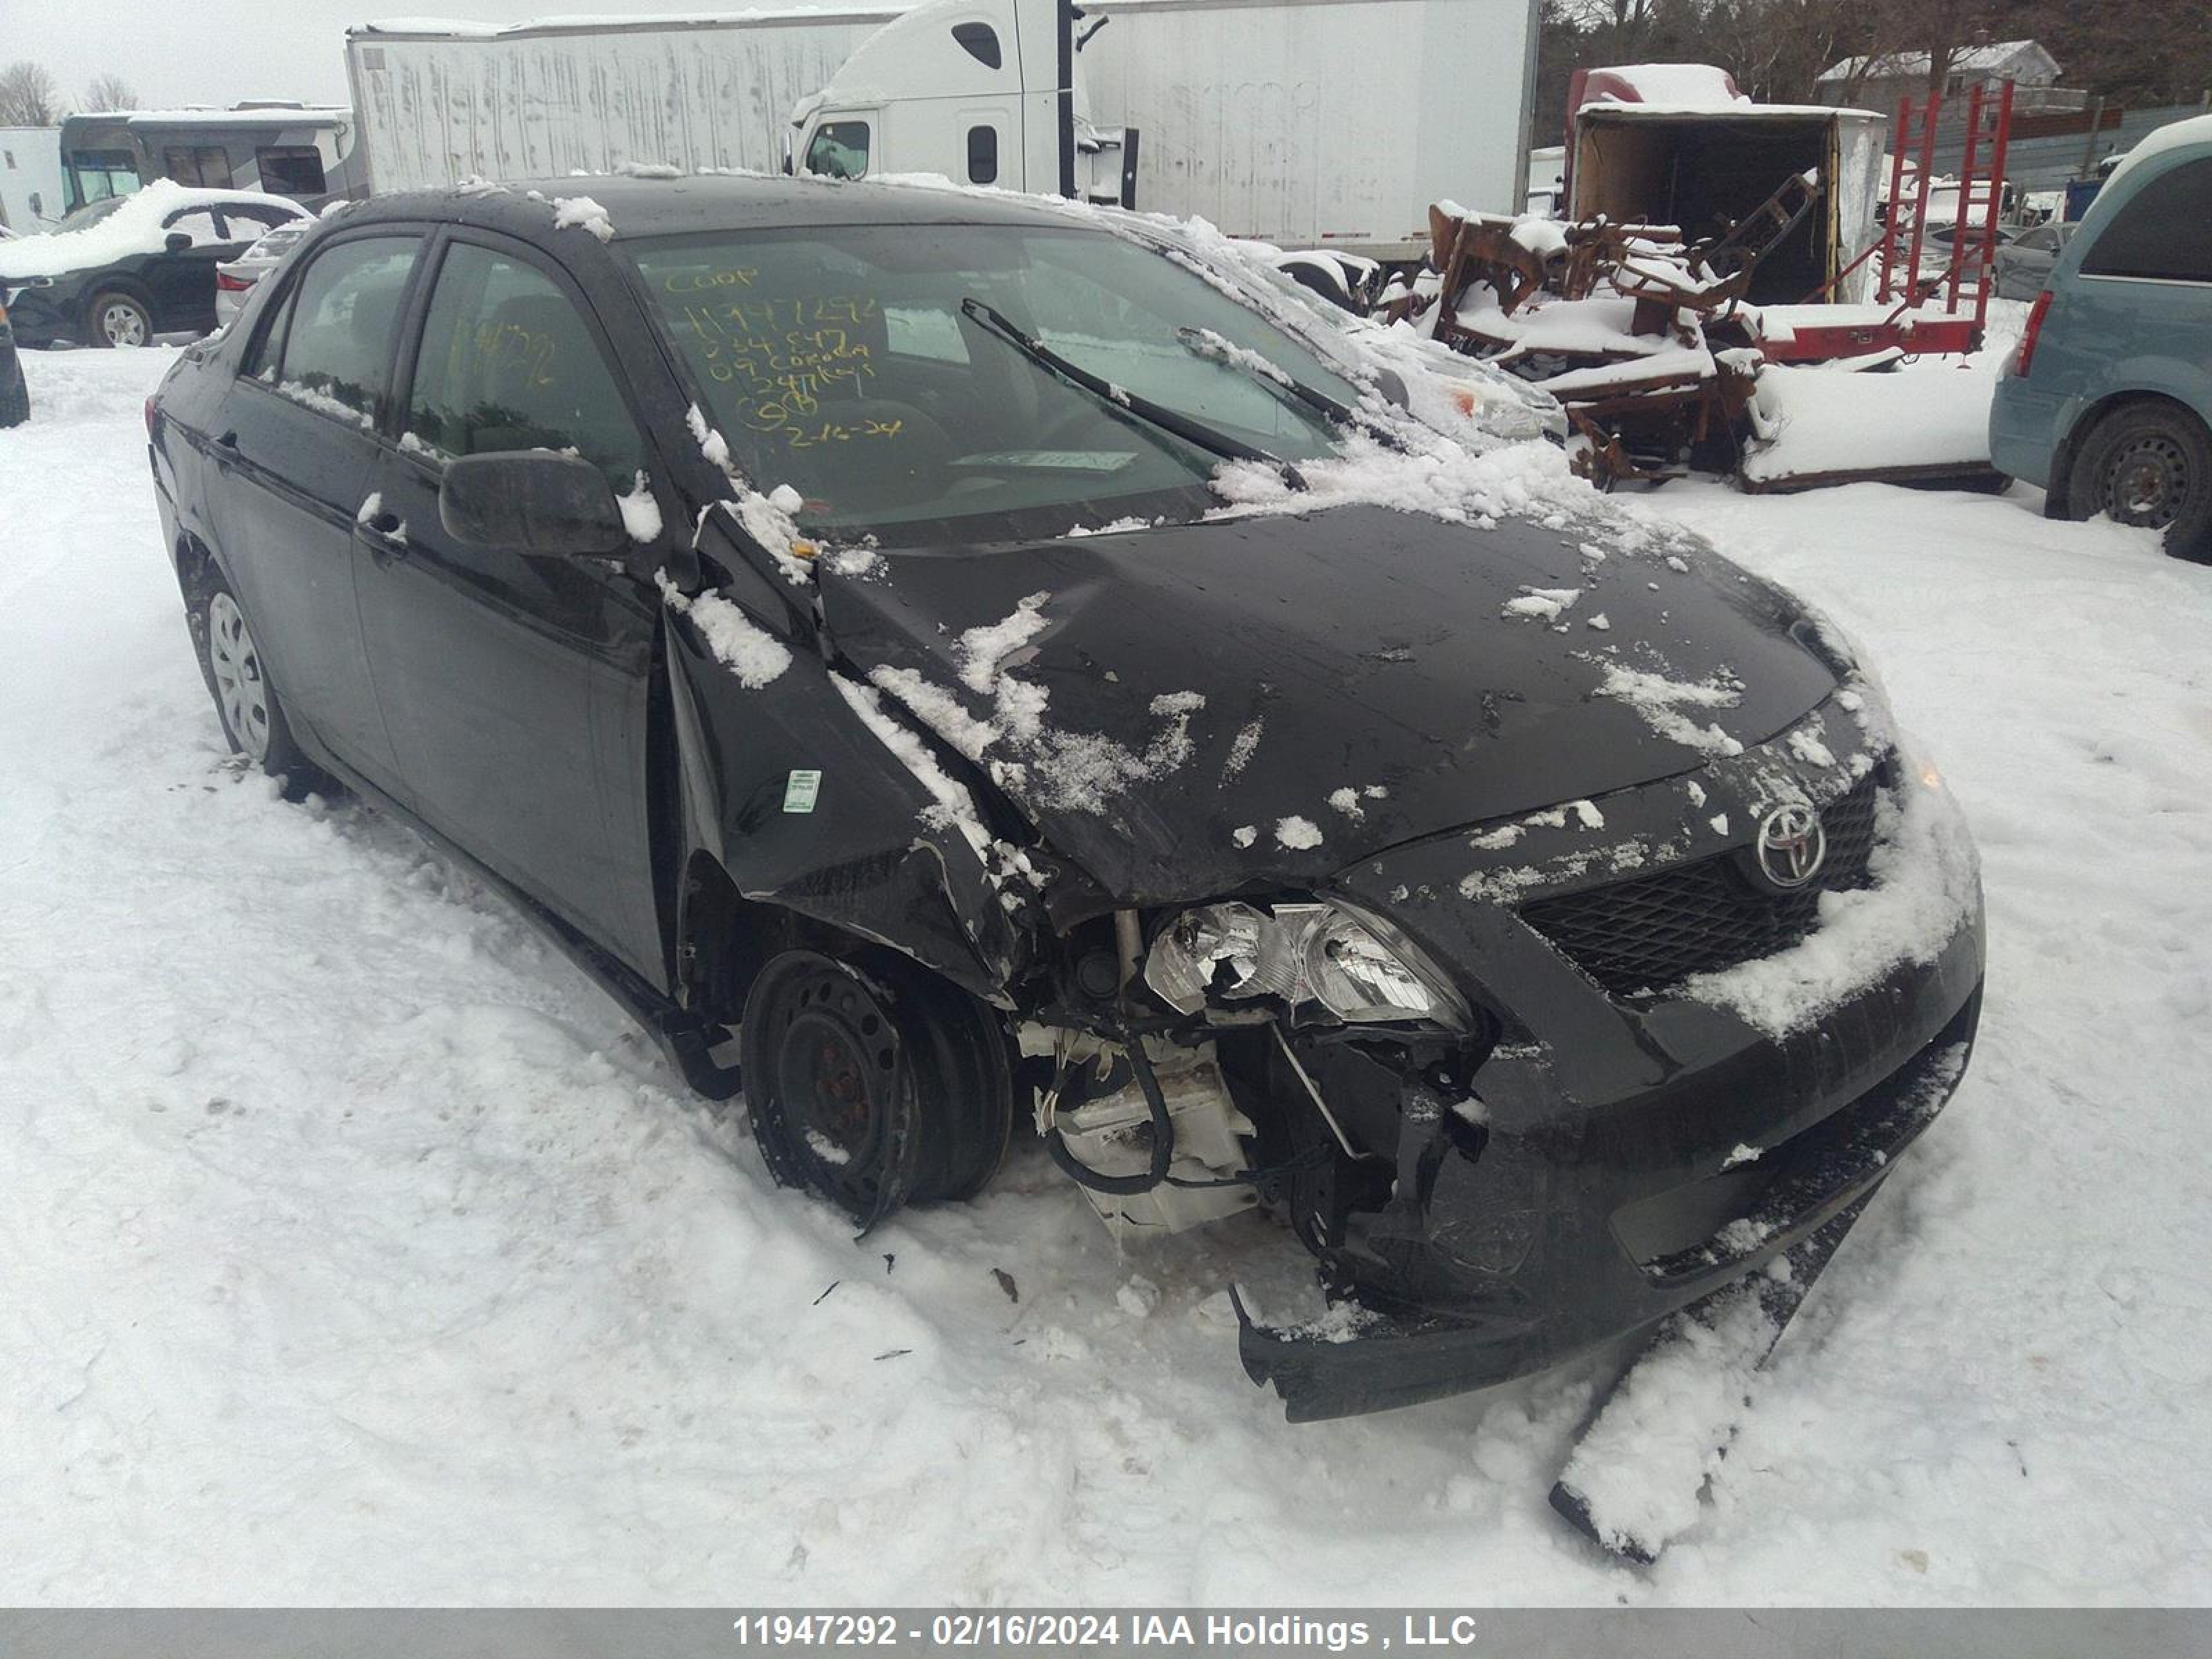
248,220
201,224
2163,233
509,363
336,350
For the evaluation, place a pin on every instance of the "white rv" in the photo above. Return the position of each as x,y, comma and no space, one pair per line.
1307,123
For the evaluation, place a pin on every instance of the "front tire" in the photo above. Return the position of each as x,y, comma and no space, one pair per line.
2148,464
872,1083
245,701
117,318
15,400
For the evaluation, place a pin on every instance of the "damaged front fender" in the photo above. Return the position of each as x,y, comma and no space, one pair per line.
807,808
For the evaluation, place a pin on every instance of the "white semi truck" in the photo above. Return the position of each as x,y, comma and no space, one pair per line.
1306,123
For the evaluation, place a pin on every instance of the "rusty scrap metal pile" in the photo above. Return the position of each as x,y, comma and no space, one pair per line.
1644,338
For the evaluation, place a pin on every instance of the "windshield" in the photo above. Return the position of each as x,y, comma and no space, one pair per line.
90,214
840,361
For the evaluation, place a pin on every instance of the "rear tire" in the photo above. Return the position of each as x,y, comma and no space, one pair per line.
15,400
117,318
2148,464
245,701
871,1083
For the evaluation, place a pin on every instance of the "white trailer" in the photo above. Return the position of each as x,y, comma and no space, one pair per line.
1305,123
1319,123
30,180
439,102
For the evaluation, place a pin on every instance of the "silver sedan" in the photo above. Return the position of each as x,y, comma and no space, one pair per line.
234,279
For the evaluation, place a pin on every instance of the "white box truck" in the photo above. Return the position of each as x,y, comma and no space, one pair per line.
1305,123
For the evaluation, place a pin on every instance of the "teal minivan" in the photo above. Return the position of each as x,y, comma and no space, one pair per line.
2108,401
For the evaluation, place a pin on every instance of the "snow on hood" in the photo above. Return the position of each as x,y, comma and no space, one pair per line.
1366,676
134,227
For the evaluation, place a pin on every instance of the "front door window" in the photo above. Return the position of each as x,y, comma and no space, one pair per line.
839,150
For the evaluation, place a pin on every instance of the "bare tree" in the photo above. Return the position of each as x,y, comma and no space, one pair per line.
109,92
28,97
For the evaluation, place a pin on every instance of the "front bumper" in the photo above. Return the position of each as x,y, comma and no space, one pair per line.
1608,1268
1636,1152
34,317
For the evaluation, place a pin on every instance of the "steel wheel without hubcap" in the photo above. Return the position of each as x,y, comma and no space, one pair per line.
240,690
871,1083
123,324
2147,482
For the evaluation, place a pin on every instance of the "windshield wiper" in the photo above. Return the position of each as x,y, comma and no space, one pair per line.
1206,343
1173,422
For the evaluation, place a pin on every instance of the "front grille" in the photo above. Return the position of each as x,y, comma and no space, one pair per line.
1657,931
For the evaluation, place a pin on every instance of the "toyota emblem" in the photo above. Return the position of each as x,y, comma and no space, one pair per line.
1791,846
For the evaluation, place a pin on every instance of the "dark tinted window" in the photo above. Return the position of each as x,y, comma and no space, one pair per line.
507,362
208,166
982,154
290,170
2165,230
337,349
981,41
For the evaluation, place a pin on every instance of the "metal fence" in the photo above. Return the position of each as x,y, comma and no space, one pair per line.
2046,162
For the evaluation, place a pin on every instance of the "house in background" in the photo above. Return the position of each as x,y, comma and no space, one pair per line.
30,179
1877,83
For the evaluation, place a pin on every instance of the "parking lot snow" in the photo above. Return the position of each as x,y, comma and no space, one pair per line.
356,1249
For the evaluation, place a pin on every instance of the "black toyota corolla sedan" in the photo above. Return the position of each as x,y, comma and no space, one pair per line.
943,662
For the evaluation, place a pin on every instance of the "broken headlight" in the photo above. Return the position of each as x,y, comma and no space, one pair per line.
1321,960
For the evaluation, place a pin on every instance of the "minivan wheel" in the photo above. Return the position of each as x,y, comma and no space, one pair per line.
2150,466
872,1083
120,319
245,701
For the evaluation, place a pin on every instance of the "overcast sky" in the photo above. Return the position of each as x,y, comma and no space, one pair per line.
217,52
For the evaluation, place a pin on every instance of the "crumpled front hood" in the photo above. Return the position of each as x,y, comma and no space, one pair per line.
1256,703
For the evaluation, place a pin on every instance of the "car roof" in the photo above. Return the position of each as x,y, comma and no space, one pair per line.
637,207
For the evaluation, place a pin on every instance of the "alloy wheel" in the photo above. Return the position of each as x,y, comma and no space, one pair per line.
123,324
239,687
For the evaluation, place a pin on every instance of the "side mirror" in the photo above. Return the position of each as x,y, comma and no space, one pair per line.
176,242
533,501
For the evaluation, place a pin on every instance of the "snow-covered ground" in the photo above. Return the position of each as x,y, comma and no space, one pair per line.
355,1249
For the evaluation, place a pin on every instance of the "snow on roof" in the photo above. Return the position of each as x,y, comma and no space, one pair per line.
270,115
1992,55
134,228
465,29
1681,86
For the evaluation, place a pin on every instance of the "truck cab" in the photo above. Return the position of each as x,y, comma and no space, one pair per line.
983,92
